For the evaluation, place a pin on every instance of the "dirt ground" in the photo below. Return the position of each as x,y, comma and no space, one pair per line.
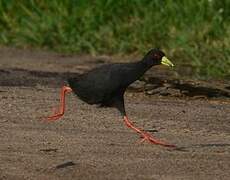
93,143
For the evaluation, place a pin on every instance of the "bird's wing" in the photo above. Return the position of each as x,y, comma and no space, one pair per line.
102,83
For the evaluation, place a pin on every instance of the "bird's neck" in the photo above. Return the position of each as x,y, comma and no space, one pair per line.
139,68
136,70
148,62
144,65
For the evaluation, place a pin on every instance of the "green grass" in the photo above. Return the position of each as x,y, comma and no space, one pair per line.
190,32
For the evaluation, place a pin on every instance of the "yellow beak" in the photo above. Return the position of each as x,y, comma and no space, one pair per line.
166,61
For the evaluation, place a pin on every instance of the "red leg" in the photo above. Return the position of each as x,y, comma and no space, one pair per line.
145,135
60,112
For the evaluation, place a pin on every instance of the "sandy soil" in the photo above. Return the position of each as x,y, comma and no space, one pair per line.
93,143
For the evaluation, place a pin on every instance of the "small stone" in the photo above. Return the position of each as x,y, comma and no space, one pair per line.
155,91
137,85
167,85
174,92
151,86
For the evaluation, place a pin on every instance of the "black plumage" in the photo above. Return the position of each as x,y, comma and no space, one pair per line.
106,85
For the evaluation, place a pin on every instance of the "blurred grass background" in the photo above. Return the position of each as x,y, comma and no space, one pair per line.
192,33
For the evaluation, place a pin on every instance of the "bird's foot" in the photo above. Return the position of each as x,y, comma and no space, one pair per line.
54,117
59,112
148,137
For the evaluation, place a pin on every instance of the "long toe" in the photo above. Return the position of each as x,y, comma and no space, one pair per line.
53,118
158,142
148,137
143,139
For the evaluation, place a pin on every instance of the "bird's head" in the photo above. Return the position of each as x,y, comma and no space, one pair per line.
157,57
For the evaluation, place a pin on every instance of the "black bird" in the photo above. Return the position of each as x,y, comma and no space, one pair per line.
106,86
